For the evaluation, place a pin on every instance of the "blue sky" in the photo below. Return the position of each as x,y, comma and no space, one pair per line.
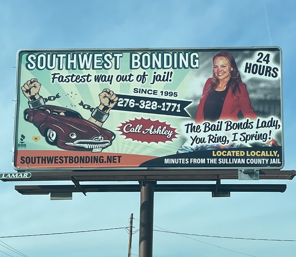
134,24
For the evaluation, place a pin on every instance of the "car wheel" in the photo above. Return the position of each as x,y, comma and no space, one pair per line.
51,136
26,116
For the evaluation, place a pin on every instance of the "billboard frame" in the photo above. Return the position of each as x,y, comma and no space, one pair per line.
123,169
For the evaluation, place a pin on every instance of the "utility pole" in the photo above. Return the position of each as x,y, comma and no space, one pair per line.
130,236
146,218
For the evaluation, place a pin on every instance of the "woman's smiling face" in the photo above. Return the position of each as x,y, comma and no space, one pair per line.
222,68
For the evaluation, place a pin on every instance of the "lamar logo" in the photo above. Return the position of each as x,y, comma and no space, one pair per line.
15,175
22,142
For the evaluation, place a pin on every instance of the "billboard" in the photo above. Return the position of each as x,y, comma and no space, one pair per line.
187,108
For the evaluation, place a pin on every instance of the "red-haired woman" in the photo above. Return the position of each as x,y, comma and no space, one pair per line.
224,95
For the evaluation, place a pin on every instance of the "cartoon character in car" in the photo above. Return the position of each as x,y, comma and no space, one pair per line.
67,128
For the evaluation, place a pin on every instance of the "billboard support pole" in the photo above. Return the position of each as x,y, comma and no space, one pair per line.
146,218
78,186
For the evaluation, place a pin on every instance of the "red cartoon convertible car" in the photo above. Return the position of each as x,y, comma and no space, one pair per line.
68,130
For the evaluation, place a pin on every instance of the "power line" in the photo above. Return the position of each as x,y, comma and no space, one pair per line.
64,233
156,230
225,237
228,237
11,248
6,253
217,246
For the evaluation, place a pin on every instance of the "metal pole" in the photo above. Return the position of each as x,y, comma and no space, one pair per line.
146,218
130,236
